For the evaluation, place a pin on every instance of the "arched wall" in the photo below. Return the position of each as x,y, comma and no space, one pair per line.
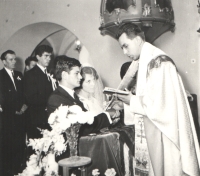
80,17
24,41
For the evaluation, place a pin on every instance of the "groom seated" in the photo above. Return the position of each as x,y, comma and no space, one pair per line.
68,74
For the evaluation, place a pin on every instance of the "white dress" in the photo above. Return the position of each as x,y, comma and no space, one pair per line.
91,104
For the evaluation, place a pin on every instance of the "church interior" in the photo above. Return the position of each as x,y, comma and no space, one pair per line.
74,28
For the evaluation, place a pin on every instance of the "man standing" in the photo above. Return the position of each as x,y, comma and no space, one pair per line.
161,100
11,107
38,87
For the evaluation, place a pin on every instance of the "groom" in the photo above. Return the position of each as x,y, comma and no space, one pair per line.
68,74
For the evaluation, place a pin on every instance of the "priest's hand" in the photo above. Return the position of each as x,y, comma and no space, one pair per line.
111,112
1,110
117,105
125,98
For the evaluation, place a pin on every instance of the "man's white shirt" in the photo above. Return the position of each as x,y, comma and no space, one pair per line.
71,92
11,76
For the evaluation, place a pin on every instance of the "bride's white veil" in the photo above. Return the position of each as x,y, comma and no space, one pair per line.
85,60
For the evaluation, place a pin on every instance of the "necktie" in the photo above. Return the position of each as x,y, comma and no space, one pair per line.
13,79
45,71
76,96
12,73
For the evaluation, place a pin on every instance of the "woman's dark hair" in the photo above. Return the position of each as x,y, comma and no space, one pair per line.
124,69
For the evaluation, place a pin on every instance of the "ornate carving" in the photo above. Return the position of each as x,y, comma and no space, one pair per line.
146,10
154,16
199,13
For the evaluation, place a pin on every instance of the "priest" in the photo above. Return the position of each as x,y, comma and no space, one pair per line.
162,105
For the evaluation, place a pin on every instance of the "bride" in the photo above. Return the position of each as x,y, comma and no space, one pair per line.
87,89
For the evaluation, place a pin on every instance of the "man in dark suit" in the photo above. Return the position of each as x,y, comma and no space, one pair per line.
68,75
38,87
11,107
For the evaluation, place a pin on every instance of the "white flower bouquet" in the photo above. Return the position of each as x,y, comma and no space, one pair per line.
33,166
109,172
61,120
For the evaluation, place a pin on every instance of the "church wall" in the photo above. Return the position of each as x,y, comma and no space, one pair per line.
183,45
81,17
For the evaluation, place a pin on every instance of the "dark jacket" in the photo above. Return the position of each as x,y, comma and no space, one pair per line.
60,96
37,89
10,99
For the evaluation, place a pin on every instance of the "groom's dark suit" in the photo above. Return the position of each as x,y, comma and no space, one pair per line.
37,89
60,96
13,132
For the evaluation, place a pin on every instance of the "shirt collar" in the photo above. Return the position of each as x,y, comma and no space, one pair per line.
8,71
69,91
41,67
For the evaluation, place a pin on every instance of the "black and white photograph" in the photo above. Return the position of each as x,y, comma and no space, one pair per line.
99,88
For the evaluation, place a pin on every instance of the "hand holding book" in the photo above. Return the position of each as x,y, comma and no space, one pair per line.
125,98
109,90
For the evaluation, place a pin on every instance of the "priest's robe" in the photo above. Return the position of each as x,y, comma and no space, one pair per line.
169,127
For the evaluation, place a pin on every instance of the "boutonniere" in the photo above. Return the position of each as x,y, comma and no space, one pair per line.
18,78
51,77
52,80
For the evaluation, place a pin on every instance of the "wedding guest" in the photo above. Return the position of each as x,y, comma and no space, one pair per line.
38,87
12,109
30,62
162,103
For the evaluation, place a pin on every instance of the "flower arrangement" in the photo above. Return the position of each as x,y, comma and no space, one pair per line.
95,172
53,142
109,172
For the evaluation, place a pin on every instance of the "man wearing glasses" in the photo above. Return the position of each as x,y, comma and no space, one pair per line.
38,87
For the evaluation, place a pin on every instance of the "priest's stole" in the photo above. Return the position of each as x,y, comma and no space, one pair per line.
141,151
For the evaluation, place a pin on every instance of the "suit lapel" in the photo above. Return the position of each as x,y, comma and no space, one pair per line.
18,80
65,93
8,80
70,98
43,77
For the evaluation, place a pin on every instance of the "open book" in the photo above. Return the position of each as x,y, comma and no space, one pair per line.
108,90
125,81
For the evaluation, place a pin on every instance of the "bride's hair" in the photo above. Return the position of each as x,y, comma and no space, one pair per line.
90,71
87,70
